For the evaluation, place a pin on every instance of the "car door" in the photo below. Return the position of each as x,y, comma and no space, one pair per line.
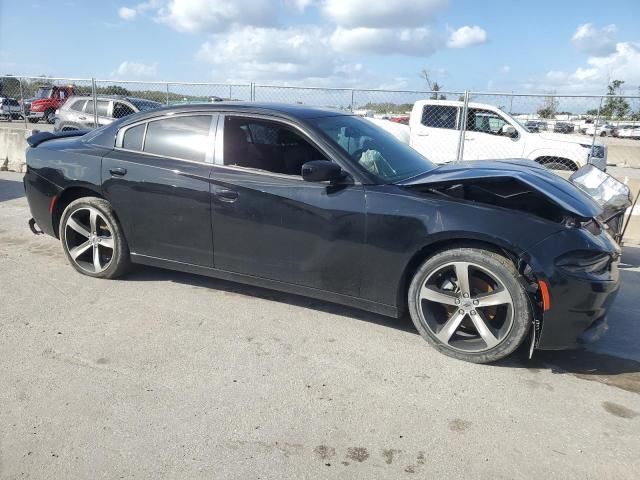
436,135
157,179
270,223
484,138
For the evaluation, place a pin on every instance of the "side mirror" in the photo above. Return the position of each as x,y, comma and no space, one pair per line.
321,171
509,131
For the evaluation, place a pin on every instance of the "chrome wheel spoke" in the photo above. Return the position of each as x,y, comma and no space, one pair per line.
106,242
96,259
75,252
484,330
462,274
74,225
93,220
450,326
438,296
499,297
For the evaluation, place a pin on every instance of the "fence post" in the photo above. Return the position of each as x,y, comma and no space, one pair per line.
511,103
167,93
230,95
94,94
352,99
24,112
595,130
463,127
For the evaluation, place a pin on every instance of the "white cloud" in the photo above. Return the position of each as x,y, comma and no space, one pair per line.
300,5
505,69
127,13
467,36
207,16
135,70
595,41
408,41
382,13
623,64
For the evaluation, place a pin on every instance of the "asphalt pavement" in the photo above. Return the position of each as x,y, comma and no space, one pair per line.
170,375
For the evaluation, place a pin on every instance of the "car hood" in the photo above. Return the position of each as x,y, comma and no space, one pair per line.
557,189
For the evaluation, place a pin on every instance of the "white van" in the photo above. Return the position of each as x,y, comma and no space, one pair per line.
492,134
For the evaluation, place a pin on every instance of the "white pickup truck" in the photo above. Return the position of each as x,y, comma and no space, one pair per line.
492,134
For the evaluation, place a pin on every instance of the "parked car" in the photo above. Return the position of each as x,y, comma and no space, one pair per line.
600,130
326,204
494,134
532,126
48,99
78,112
616,130
403,119
10,109
564,127
633,131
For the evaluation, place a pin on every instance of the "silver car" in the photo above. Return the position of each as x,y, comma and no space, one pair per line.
77,113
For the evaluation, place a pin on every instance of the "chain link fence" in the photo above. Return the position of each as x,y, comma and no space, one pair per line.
562,132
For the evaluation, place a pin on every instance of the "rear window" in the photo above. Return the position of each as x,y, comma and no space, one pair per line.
180,137
133,137
439,116
103,106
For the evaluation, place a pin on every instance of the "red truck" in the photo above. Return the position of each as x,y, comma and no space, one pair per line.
47,100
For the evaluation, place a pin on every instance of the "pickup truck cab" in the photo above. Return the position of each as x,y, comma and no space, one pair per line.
47,100
492,134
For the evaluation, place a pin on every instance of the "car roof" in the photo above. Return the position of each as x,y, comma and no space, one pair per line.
296,111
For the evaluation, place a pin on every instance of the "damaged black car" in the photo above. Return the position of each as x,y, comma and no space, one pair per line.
482,255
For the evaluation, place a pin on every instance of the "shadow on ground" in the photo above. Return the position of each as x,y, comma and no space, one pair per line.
607,369
10,190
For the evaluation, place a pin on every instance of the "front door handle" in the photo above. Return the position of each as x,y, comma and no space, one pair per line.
118,172
226,195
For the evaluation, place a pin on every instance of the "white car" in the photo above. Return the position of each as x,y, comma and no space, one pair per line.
633,132
10,109
492,134
601,130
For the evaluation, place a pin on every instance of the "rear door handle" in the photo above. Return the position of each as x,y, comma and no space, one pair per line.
118,172
82,118
226,195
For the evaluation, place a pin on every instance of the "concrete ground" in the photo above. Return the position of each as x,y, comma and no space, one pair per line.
170,375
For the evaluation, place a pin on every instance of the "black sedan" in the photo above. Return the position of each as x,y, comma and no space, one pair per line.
483,255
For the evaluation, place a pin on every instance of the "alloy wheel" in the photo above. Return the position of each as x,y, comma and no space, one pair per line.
466,307
89,239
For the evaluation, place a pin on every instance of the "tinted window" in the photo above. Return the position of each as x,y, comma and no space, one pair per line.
13,103
143,105
121,110
373,148
78,105
264,145
180,137
133,137
439,116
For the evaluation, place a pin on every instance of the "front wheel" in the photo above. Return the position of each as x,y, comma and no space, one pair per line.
469,304
92,239
49,116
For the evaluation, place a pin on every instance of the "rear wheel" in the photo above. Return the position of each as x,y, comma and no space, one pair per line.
92,239
49,116
469,304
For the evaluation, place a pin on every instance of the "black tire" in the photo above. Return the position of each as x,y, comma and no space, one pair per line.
504,271
33,119
49,116
117,261
603,134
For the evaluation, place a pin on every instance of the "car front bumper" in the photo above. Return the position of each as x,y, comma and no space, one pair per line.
578,303
35,115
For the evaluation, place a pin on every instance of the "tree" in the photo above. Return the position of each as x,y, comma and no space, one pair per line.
615,106
434,87
549,107
10,86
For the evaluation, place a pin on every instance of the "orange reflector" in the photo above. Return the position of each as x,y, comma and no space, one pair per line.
546,299
52,204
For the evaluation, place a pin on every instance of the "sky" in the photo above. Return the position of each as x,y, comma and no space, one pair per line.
495,45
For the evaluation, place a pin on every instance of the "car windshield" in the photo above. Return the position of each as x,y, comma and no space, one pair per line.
376,150
43,92
143,105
